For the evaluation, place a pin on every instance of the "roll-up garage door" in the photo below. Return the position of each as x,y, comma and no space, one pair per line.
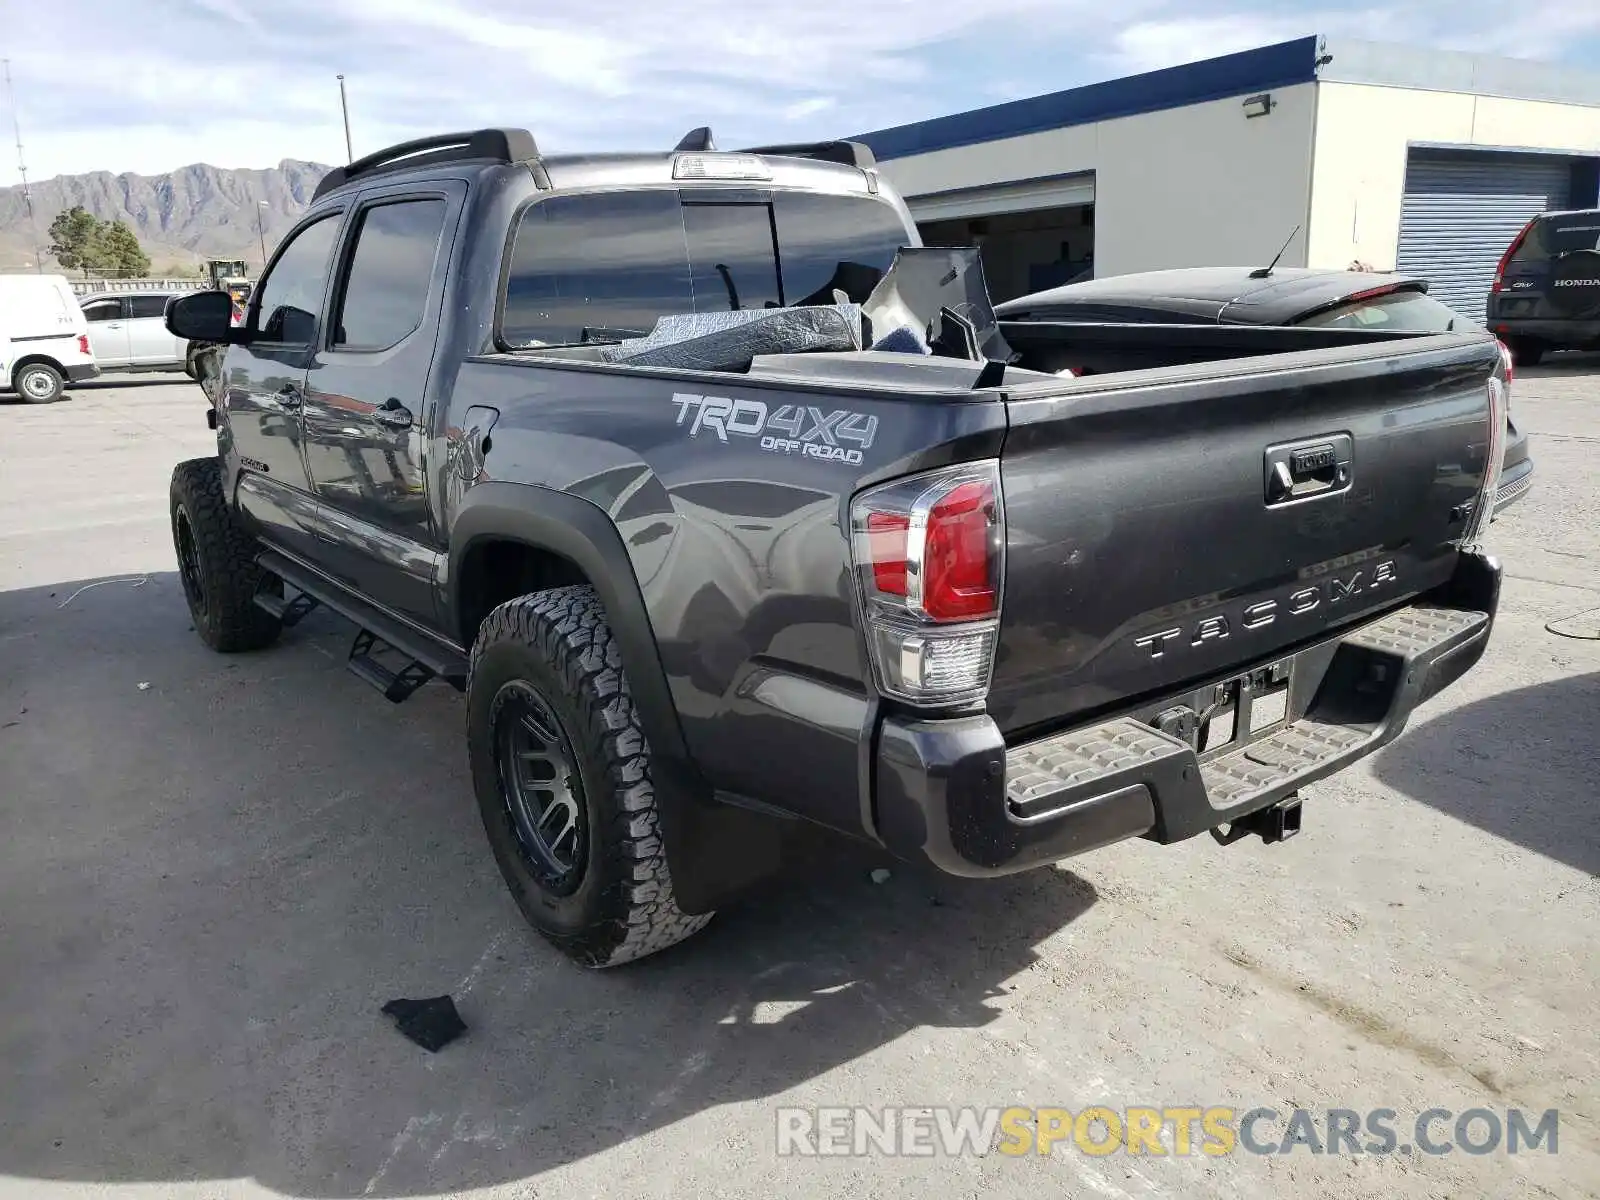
1461,210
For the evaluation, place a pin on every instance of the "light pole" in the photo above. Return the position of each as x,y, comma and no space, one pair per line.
261,233
344,107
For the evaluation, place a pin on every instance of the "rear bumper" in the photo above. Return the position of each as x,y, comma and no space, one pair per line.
951,792
1514,485
78,372
1577,334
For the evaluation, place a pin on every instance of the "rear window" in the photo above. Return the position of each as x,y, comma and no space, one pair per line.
1407,310
1553,237
606,265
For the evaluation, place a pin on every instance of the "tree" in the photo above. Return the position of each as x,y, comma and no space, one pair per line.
118,249
73,237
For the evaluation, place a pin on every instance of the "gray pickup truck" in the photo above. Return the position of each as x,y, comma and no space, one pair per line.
727,504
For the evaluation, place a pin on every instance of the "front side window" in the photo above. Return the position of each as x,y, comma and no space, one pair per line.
103,310
386,291
596,267
147,306
290,297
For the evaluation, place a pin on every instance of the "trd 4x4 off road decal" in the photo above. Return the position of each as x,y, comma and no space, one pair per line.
791,429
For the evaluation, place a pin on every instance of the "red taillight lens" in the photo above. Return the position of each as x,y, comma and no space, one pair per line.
1500,267
959,581
929,554
886,537
83,343
1508,361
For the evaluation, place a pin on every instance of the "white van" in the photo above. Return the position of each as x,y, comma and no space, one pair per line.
44,338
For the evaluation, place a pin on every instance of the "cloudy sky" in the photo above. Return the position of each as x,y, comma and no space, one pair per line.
148,85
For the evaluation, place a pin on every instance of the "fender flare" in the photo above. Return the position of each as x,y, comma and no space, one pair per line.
714,850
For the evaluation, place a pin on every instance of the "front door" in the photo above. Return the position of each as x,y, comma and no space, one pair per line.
366,395
263,387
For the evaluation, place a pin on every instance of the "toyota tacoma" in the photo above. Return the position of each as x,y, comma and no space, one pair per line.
728,504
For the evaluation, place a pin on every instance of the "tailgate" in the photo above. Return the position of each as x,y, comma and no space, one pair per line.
1165,527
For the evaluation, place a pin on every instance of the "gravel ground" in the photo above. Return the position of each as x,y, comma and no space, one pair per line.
210,884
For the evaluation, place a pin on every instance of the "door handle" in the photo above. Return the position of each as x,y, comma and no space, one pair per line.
392,413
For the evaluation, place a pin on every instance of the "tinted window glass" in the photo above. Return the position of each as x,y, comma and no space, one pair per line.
1557,236
103,310
147,306
290,298
1409,311
826,242
731,258
610,264
386,291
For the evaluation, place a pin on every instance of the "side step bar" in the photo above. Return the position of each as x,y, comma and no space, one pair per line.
424,657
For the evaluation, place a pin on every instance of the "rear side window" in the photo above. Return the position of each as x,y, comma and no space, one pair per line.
1555,237
147,306
596,266
385,293
1408,311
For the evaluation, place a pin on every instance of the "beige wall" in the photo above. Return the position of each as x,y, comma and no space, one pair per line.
1360,163
1196,186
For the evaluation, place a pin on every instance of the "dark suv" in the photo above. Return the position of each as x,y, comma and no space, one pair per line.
1546,293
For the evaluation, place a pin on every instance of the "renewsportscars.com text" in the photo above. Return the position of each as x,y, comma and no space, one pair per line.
845,1132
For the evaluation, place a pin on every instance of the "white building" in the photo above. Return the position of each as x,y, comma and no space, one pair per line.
1418,160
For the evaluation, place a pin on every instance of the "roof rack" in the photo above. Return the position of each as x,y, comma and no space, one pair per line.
497,145
696,139
849,154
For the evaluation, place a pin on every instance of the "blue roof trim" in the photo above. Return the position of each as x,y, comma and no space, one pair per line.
1282,65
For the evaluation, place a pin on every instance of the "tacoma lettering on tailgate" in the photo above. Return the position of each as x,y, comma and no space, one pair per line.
1262,613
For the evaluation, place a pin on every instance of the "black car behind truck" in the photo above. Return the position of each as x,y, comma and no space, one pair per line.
701,576
1546,290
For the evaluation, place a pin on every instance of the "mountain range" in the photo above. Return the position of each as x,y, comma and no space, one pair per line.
181,217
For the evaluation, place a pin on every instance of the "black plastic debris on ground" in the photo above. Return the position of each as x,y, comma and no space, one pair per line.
432,1024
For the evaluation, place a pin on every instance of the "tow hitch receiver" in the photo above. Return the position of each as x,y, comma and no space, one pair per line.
1275,823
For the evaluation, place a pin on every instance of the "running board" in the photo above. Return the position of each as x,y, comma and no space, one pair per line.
289,612
424,657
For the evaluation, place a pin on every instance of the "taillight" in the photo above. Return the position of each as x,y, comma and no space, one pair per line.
929,553
1508,362
83,343
1494,456
1500,267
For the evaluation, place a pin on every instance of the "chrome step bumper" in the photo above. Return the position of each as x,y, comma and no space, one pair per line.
950,791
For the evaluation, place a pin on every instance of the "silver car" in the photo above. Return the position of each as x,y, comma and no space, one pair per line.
127,331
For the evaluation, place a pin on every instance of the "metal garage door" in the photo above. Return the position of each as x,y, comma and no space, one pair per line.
1025,195
1460,212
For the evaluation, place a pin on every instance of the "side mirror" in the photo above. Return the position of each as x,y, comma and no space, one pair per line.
202,317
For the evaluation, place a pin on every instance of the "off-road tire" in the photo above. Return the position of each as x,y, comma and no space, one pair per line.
559,644
223,562
38,383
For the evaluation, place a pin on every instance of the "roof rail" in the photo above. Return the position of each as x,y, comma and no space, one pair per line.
498,145
696,139
849,154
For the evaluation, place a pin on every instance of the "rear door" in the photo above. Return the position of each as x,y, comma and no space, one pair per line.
366,392
1553,272
108,331
149,342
